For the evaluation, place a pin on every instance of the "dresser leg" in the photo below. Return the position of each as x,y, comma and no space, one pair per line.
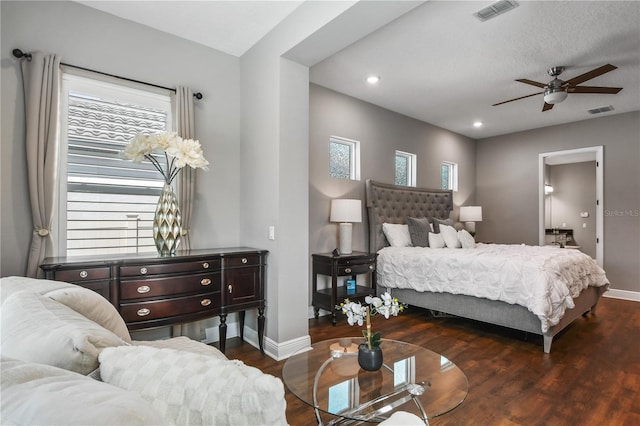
241,321
261,329
222,329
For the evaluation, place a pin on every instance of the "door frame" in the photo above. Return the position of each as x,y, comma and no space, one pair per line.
568,154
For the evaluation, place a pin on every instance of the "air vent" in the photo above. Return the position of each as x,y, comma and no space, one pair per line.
495,9
600,110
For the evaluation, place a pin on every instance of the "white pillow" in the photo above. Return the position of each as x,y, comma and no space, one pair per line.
466,239
397,234
38,329
450,236
38,394
436,240
189,388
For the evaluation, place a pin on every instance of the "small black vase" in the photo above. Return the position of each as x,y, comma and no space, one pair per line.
369,359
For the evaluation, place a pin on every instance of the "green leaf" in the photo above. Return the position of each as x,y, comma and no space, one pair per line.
375,340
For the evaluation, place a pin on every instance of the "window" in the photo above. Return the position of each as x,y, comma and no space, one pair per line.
344,158
449,176
405,168
107,203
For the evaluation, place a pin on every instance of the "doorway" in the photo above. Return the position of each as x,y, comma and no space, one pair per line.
548,160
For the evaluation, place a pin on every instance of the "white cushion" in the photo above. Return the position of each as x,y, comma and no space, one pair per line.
12,285
436,240
450,236
38,394
38,329
183,343
466,239
397,234
93,306
189,388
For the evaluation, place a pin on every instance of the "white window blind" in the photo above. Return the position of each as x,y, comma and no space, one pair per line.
107,203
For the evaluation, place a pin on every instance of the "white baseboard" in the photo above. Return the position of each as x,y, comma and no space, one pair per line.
634,296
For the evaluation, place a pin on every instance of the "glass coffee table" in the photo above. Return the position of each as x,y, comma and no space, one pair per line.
412,379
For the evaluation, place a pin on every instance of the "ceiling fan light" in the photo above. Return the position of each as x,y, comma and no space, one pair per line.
555,96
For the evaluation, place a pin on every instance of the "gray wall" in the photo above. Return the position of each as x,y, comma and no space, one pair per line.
574,191
507,187
380,132
86,37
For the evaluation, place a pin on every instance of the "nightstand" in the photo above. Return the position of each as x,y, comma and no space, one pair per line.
354,264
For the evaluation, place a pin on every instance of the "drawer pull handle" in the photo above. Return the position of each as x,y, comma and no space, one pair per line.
347,270
205,281
371,267
244,260
84,274
230,287
205,265
143,289
143,271
205,302
143,312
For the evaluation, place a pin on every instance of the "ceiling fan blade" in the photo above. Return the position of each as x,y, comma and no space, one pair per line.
517,99
531,82
591,74
594,89
547,107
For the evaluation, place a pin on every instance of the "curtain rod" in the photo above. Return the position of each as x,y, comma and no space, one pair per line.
20,54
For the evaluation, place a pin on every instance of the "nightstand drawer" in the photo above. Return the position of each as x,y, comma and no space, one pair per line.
169,268
82,274
161,309
168,286
356,269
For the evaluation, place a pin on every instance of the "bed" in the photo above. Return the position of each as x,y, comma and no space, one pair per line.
485,269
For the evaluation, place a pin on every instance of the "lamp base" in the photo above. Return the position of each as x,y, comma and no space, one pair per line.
346,230
471,227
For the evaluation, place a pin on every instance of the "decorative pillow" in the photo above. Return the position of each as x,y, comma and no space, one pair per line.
466,239
183,343
419,228
188,388
38,394
93,306
450,236
436,240
38,329
437,222
397,234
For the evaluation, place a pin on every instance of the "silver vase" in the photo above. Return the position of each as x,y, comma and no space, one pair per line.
167,223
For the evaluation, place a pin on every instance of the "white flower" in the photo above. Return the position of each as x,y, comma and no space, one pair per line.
187,152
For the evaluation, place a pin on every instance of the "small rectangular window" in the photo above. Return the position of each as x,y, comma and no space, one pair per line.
344,158
449,176
405,168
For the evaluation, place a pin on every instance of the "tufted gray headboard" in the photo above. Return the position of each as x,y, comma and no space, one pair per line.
393,204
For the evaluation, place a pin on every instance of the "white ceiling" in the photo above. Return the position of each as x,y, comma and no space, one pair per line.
438,63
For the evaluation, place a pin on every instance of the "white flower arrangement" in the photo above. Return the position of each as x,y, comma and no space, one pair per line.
358,314
178,153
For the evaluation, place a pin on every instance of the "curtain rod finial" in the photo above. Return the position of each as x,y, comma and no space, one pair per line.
20,54
198,95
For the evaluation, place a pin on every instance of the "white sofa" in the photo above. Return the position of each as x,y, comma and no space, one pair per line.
68,358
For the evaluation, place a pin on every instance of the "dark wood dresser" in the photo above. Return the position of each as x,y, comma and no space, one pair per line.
151,291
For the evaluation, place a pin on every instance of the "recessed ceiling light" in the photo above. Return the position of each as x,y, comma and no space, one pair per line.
477,124
373,79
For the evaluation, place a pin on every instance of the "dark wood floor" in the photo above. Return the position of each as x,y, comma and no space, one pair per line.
591,377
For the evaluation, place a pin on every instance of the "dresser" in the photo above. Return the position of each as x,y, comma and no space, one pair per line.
150,291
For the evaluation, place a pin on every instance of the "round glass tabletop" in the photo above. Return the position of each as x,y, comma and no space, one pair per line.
412,379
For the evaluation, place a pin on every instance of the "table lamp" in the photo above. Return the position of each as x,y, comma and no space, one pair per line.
470,215
346,212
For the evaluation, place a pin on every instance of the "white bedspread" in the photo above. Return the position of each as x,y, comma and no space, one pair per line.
542,279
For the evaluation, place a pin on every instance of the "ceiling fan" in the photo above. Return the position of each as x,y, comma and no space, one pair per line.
557,90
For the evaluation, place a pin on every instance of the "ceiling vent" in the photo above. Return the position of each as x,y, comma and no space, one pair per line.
600,110
495,9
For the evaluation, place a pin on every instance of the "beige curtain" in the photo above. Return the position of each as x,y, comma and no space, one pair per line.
41,81
186,189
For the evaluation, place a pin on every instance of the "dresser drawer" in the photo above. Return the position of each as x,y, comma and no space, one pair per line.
161,309
80,275
169,268
169,286
242,260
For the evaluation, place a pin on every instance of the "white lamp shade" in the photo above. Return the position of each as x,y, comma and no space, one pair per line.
555,96
471,214
346,210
